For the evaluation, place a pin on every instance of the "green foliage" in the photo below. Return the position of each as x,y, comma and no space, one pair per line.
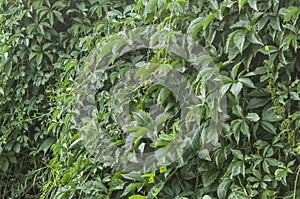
255,46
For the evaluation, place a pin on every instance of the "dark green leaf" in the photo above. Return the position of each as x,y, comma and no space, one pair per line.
257,102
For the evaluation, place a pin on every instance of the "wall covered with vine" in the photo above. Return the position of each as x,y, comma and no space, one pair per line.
254,45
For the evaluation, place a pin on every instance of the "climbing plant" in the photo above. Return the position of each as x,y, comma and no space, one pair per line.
255,48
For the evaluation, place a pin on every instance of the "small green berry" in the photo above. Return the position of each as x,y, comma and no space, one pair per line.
267,48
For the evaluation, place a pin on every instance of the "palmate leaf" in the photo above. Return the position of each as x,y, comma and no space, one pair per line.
254,45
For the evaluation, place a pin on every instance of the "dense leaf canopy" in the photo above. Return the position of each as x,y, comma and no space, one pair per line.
254,45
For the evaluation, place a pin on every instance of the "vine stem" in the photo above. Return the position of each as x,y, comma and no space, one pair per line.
296,182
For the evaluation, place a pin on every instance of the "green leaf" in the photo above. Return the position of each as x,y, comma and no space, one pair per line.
241,4
236,88
4,163
254,38
187,174
259,144
238,154
143,118
166,137
268,50
239,40
257,102
224,89
214,4
155,190
245,129
163,95
195,27
261,23
281,174
209,177
1,91
270,115
223,187
238,168
204,154
268,127
130,188
240,24
46,144
233,52
275,23
59,16
39,58
246,81
12,159
50,17
236,129
253,4
32,55
289,13
208,19
229,41
36,48
70,65
253,117
234,71
46,45
17,147
146,70
150,5
137,197
59,4
136,176
65,178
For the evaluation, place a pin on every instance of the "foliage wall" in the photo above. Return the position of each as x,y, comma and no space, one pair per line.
255,45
